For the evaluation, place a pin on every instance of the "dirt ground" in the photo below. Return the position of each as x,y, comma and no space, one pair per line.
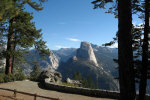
33,87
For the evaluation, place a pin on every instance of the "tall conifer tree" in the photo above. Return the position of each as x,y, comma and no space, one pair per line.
122,10
144,70
18,31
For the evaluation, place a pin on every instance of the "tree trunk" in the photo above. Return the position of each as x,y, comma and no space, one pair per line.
13,62
125,52
143,77
13,57
10,46
9,49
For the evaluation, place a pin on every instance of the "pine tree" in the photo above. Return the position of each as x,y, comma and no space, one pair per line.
5,7
141,8
143,77
86,82
125,52
2,42
77,76
36,71
13,31
122,10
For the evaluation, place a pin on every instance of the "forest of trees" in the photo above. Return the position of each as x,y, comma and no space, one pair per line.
18,34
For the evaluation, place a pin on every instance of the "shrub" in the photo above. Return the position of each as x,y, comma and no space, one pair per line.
2,70
9,78
34,78
2,75
34,75
6,78
20,76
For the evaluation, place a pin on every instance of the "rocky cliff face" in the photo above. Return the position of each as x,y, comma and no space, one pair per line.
64,54
2,63
46,63
53,61
85,52
88,62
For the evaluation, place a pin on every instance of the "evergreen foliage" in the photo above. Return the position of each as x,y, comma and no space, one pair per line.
86,82
137,6
139,45
77,76
122,9
18,76
5,7
19,31
145,49
36,72
19,73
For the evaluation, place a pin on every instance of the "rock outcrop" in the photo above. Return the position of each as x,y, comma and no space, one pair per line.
46,63
54,62
2,63
85,52
75,82
64,54
50,76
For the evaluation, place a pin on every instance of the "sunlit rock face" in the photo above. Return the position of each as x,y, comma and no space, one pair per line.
54,62
2,63
85,52
46,62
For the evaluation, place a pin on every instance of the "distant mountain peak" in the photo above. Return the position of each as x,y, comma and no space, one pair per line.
86,52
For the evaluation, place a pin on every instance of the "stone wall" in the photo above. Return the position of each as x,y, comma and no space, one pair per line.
85,91
82,91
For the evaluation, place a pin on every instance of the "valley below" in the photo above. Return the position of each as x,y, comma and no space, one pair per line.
90,60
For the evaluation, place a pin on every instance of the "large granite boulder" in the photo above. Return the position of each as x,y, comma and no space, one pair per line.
50,76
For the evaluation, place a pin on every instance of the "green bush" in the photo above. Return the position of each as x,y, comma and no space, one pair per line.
20,76
9,78
34,75
2,75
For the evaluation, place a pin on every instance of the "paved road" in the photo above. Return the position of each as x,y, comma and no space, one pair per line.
32,87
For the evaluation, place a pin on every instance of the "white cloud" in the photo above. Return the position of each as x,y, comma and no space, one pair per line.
73,39
58,46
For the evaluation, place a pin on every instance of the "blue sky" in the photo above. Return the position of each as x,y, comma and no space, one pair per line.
65,23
